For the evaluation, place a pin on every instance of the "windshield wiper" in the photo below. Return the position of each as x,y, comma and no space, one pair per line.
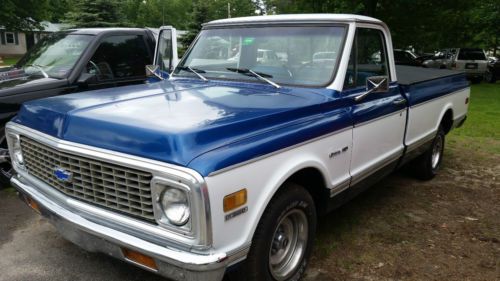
259,75
195,71
39,67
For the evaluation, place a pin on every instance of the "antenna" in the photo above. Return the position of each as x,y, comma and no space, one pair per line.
228,10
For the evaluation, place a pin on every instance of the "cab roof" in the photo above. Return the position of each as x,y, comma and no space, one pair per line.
291,18
99,30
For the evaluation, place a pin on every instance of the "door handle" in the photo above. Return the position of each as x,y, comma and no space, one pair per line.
399,102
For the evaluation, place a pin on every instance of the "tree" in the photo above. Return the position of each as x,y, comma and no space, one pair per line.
154,13
23,14
207,10
96,13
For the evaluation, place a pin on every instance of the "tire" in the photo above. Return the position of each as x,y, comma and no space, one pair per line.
489,77
6,169
427,165
284,238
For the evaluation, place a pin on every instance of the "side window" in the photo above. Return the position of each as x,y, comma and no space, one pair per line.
368,57
119,57
164,53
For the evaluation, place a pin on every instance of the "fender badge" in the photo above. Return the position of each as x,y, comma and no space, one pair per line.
236,213
62,175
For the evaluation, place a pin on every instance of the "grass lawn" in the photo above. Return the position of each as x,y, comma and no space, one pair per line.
481,131
9,61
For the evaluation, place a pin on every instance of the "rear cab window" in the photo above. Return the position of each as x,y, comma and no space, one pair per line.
471,54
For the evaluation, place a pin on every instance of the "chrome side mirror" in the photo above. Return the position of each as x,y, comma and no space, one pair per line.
152,71
374,84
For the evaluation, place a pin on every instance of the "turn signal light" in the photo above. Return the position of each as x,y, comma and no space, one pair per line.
235,200
139,258
33,205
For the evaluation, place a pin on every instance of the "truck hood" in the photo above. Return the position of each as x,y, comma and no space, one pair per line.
172,121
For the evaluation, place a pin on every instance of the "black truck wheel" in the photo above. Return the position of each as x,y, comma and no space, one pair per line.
427,165
282,243
5,165
489,76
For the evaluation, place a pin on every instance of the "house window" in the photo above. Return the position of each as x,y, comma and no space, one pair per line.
9,38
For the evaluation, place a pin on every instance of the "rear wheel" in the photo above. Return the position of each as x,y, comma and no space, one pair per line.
428,164
489,77
282,243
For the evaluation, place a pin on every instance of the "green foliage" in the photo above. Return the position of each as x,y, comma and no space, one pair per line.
425,25
208,10
155,13
23,14
96,13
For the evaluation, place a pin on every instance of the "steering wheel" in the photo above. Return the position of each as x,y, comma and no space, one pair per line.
94,65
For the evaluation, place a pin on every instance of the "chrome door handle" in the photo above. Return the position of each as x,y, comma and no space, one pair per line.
399,102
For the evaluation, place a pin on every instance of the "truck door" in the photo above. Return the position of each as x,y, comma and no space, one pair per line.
118,60
379,117
166,57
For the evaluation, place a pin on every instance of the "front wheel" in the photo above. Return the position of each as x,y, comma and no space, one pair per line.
283,241
6,169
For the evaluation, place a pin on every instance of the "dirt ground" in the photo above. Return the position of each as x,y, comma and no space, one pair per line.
401,229
404,229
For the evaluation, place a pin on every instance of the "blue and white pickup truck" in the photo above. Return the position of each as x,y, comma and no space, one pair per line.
266,123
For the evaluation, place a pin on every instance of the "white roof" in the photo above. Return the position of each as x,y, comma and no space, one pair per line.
296,17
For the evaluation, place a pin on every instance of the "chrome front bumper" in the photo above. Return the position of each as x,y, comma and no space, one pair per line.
172,263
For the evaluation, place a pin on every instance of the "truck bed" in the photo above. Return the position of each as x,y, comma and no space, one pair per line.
409,75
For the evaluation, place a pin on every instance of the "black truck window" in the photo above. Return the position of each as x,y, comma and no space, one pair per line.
370,56
120,57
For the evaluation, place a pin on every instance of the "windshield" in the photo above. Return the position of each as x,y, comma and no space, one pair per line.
55,55
284,55
471,54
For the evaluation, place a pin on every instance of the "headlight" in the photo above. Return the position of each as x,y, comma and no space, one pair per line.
175,206
15,150
172,204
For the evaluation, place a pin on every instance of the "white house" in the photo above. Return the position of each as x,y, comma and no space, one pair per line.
15,43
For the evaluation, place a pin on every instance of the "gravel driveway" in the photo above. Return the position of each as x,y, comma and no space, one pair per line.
401,229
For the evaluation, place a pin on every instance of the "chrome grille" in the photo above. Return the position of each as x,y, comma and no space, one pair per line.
94,181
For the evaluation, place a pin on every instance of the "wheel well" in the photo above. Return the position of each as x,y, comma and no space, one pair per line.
314,182
447,121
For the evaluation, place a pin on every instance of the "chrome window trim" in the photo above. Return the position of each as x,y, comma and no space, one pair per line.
201,234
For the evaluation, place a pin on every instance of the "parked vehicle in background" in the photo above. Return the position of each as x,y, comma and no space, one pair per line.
406,57
472,61
225,166
73,61
493,71
441,59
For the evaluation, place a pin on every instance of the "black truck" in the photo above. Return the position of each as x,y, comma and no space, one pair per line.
77,60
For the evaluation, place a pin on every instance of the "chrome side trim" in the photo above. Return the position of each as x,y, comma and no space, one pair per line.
375,167
340,187
421,141
201,235
380,117
439,97
220,171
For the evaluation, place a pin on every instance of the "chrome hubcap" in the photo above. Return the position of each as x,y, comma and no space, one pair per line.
288,245
436,152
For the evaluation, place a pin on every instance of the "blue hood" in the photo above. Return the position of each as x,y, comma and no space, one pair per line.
173,121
